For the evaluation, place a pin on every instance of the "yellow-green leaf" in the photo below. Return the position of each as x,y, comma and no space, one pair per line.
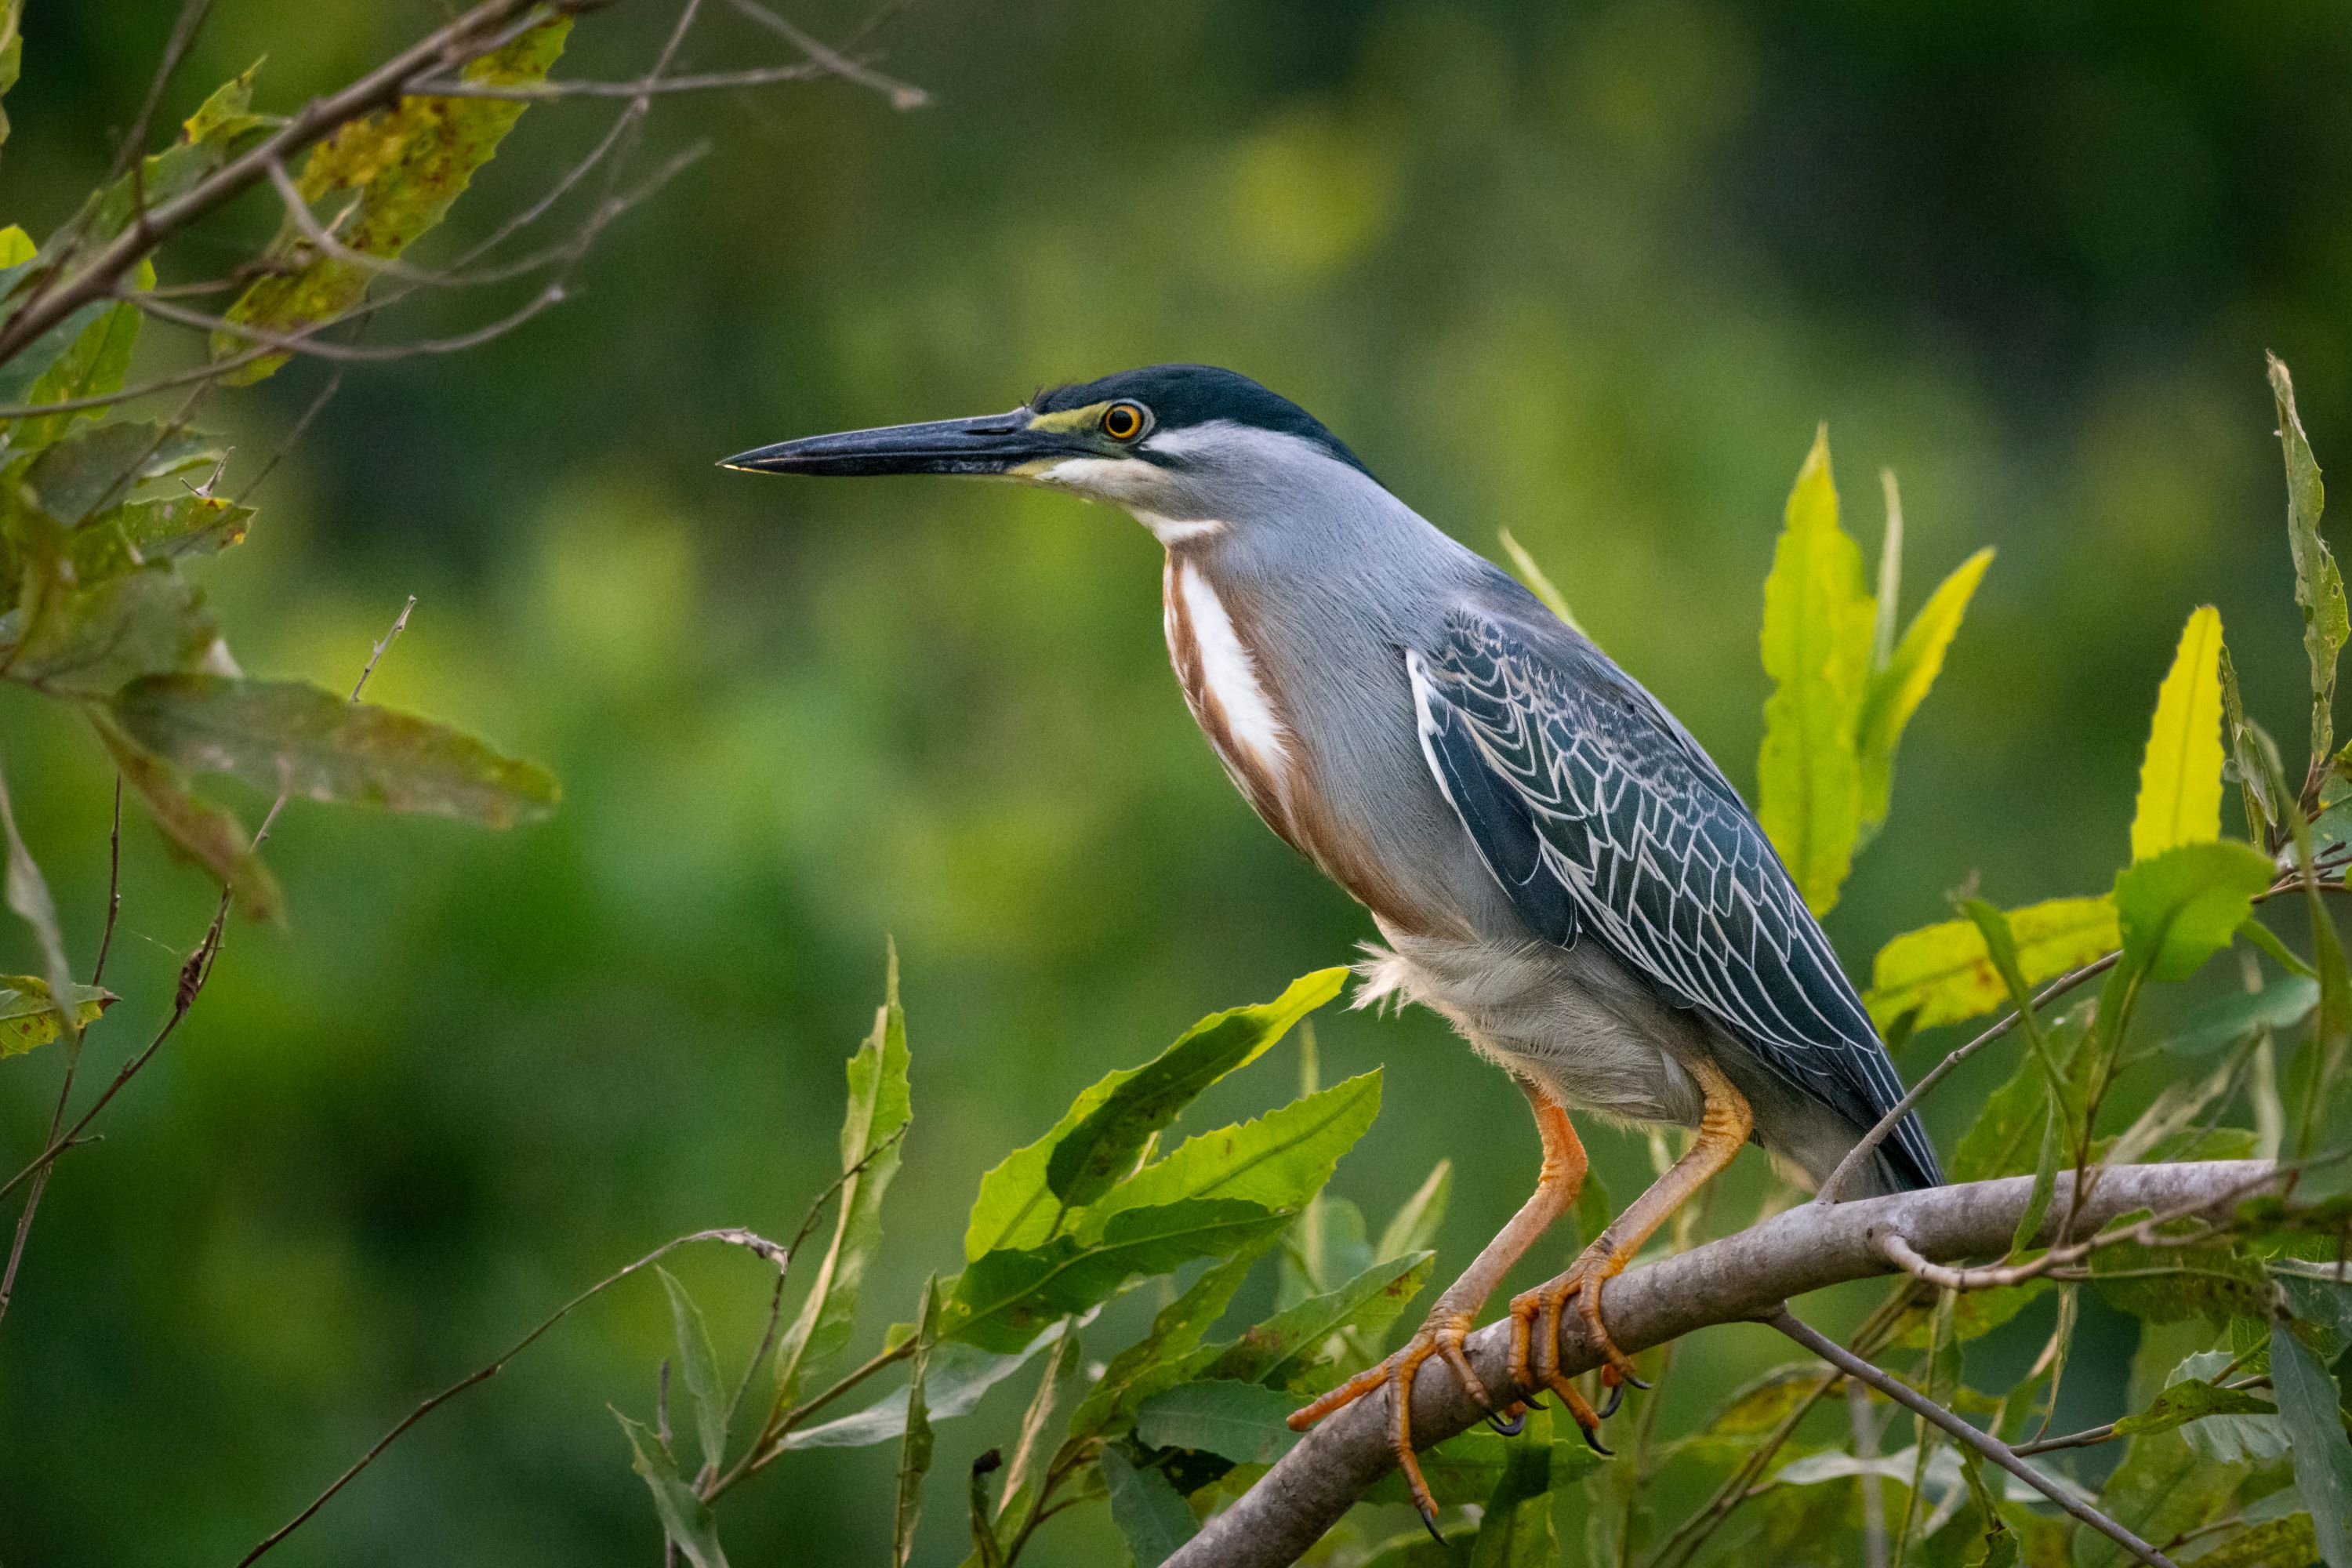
12,57
2182,907
1944,973
1896,692
2318,585
27,1017
399,169
16,246
2180,776
1818,619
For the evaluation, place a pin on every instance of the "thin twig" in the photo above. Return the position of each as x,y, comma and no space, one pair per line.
1831,1188
542,91
732,1236
902,95
114,886
1991,1448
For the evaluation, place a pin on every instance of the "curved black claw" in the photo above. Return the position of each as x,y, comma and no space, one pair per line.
1642,1383
1593,1441
1616,1398
1429,1523
1511,1428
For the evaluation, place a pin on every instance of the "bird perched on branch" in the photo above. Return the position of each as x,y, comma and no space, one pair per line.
1552,861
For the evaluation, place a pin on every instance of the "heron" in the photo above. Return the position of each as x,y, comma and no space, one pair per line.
1552,862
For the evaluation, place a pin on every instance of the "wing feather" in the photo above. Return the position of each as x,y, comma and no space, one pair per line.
1601,817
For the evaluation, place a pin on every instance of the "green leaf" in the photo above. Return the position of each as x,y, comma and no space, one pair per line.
92,365
699,1363
1999,1138
1281,1160
1942,973
685,1517
16,246
1515,1529
89,642
1103,1146
1413,1227
2318,585
2320,1297
915,1449
959,1375
1160,1358
880,1106
2217,1026
2181,906
29,895
216,839
28,1017
1896,692
1149,1511
1973,1315
12,59
1539,582
1018,1207
1760,1406
1244,1422
124,538
2253,757
1285,1348
2168,1284
298,740
2161,1491
82,473
2309,1404
1030,1451
1816,643
2266,1545
393,177
1471,1464
2180,771
1004,1297
2190,1400
2220,1437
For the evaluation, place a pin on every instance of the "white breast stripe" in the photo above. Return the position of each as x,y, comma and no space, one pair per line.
1230,676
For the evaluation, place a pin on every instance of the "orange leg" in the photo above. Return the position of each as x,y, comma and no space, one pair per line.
1723,1127
1449,1321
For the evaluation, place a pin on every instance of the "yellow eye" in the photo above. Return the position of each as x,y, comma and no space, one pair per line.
1122,422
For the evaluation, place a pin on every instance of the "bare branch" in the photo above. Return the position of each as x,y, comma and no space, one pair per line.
736,1236
902,95
541,91
446,48
1735,1279
1984,1443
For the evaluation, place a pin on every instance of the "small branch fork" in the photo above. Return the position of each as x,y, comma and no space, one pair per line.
1742,1277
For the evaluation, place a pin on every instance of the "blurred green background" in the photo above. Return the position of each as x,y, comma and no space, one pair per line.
1592,272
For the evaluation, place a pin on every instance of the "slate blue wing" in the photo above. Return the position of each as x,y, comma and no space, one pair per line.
1603,819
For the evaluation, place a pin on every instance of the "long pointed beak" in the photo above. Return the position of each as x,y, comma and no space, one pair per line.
991,444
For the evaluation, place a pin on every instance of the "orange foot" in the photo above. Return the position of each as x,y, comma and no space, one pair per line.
1535,1325
1441,1336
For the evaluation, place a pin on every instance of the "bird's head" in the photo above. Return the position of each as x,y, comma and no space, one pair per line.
1183,447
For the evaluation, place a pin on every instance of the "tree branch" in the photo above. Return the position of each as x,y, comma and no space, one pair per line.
1738,1278
1984,1443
